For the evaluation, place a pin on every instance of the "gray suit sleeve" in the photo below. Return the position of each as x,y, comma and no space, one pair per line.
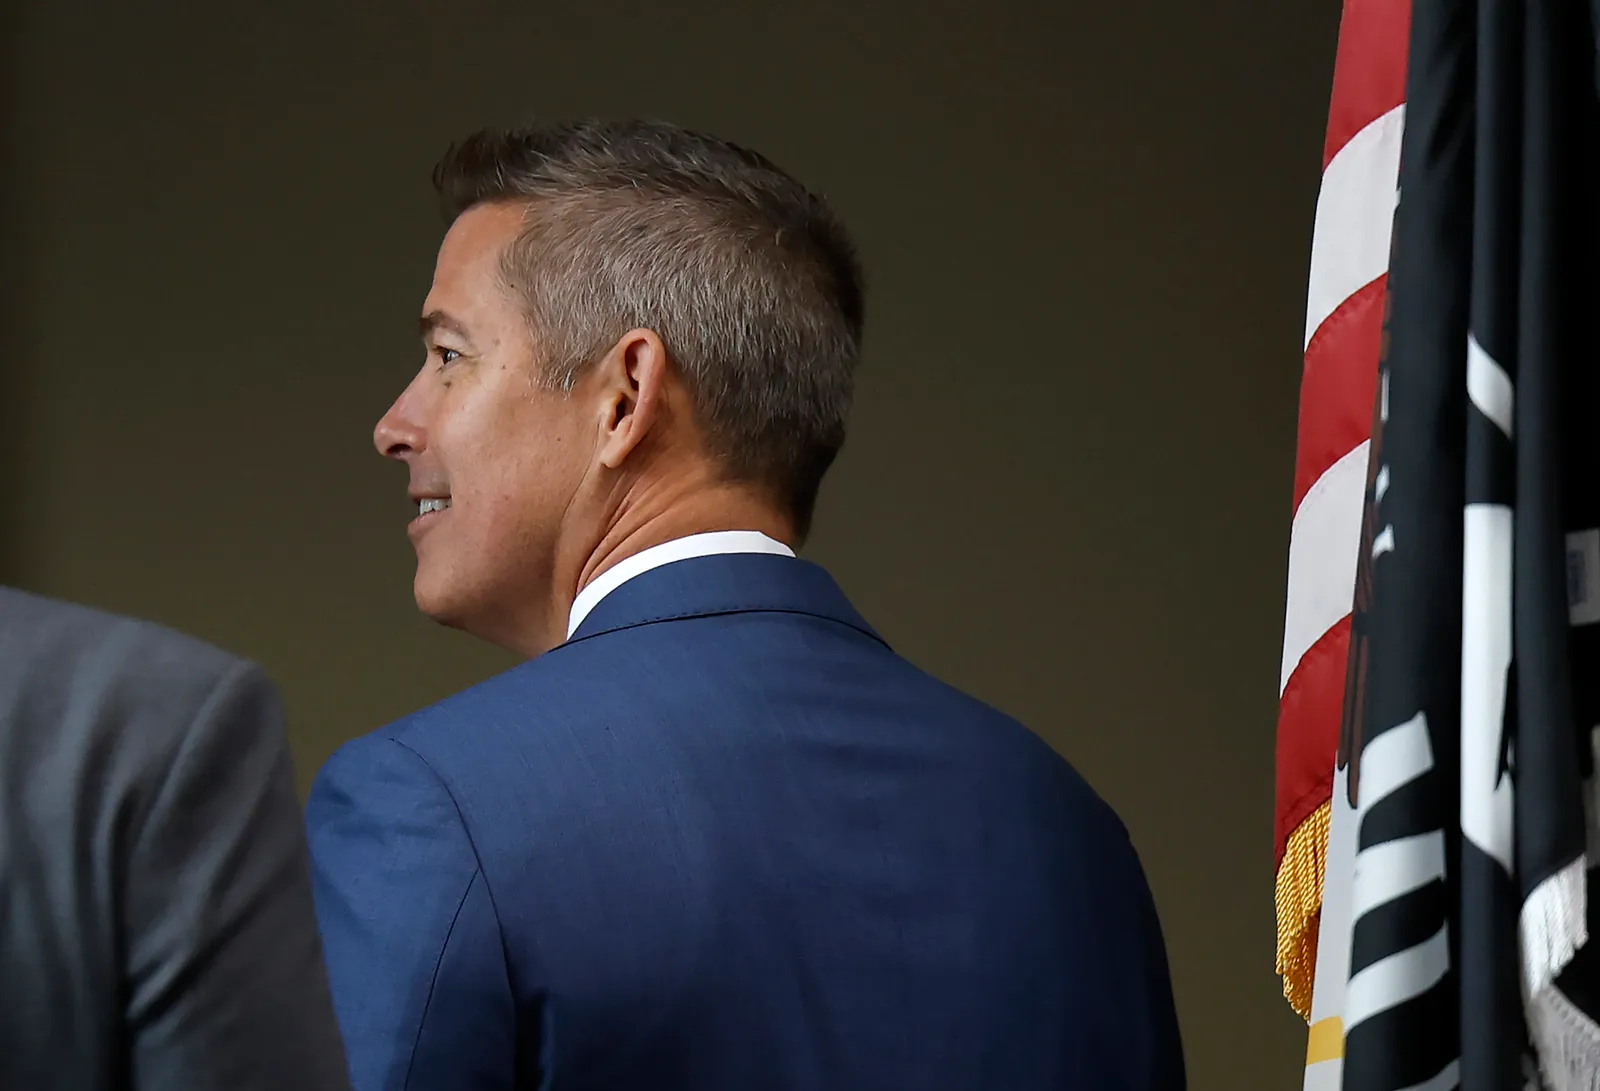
226,984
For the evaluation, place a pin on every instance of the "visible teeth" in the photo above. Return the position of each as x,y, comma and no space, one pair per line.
432,504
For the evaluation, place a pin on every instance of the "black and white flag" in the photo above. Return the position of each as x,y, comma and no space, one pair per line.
1479,638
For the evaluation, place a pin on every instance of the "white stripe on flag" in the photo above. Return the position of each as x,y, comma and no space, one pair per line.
1490,388
1393,869
1394,980
1486,552
1333,937
1324,1076
1355,214
1394,759
1323,546
1448,1077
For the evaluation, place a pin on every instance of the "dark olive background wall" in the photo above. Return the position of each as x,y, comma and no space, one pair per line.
1067,485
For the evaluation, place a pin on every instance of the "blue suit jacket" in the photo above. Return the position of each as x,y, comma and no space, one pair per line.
725,839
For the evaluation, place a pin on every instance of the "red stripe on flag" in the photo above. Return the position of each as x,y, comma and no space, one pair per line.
1369,70
1339,383
1308,733
1336,401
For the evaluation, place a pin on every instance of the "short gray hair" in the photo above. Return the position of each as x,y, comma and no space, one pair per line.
748,278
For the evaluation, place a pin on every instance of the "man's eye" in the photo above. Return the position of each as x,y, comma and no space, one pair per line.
445,355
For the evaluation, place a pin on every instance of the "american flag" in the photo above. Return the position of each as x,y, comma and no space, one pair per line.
1455,886
1344,320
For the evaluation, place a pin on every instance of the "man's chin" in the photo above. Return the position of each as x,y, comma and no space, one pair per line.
439,605
476,617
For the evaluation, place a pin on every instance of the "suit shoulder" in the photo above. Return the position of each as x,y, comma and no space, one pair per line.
566,685
107,715
1030,759
56,654
511,693
49,631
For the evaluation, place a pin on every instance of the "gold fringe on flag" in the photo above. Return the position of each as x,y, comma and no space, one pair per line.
1299,897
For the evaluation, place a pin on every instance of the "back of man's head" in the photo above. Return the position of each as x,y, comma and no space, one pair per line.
748,278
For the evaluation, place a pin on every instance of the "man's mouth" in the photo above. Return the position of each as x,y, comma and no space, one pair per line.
430,504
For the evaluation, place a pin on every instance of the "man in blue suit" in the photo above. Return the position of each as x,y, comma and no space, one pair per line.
714,833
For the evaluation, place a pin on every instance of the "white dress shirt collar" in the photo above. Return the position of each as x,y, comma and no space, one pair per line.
679,549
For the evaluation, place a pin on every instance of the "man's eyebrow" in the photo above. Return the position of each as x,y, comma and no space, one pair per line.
439,320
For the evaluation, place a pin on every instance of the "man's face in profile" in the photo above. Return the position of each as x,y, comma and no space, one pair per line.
494,457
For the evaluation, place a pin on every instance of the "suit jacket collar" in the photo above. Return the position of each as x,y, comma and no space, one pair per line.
728,583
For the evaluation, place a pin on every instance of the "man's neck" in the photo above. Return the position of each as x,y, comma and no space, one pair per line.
648,516
700,544
732,508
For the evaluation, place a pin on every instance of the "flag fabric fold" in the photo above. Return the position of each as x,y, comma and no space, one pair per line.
1344,313
1462,785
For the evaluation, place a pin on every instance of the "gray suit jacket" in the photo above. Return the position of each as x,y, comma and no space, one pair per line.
156,925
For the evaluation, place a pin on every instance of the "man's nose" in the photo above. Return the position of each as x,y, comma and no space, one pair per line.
399,434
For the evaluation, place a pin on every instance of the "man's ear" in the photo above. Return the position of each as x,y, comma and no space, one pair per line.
633,378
